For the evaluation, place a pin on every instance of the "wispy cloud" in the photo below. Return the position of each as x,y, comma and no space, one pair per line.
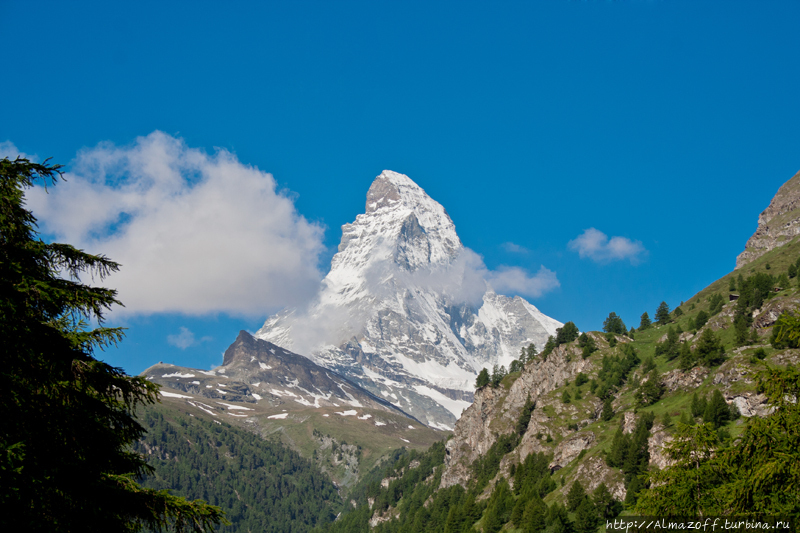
185,338
514,248
465,279
595,245
195,232
10,150
515,280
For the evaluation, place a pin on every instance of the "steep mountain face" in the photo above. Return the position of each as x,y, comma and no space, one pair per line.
777,224
405,311
255,370
270,391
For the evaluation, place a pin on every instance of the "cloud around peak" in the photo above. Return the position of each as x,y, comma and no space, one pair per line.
195,233
596,245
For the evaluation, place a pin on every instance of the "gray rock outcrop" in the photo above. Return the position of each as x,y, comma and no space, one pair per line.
777,224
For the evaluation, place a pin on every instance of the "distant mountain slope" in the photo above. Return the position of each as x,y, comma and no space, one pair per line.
777,224
405,311
261,484
271,391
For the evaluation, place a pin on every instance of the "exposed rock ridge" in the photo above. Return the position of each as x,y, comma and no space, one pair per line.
495,412
254,369
777,224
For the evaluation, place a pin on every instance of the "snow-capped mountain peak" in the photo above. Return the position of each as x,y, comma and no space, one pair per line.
405,310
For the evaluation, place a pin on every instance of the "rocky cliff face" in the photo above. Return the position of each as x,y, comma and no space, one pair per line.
496,410
405,310
777,224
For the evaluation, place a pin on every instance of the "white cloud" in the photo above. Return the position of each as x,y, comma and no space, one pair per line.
195,232
10,150
596,245
514,248
464,280
515,280
182,340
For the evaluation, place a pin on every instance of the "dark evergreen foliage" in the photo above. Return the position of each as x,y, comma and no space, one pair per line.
709,350
575,496
261,484
670,347
65,462
549,346
756,476
662,314
525,416
614,371
498,373
715,303
650,391
701,319
608,410
717,411
698,405
644,322
483,379
587,344
614,324
566,333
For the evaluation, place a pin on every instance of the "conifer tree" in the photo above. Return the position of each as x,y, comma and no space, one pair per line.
605,504
608,410
575,496
710,350
644,322
534,517
614,324
586,520
662,314
525,416
65,462
532,353
716,412
686,358
566,333
483,379
701,319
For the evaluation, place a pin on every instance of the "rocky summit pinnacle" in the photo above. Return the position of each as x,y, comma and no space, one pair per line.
405,310
778,224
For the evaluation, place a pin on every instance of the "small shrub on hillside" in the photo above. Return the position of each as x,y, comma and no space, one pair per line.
565,397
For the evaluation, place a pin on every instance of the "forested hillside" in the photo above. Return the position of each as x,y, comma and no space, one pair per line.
261,484
694,413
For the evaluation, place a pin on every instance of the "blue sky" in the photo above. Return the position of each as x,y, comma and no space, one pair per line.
668,125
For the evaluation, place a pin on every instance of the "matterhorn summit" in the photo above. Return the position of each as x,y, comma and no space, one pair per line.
406,311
